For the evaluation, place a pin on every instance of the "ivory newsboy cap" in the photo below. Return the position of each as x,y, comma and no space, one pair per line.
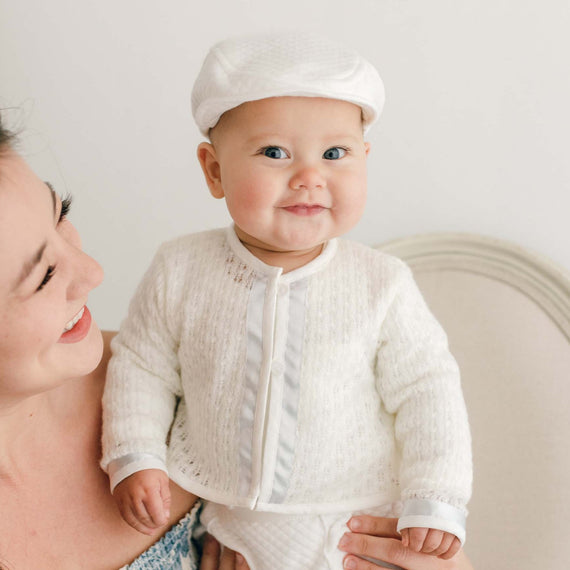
292,64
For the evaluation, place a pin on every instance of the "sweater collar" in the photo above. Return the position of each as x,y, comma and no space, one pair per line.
328,252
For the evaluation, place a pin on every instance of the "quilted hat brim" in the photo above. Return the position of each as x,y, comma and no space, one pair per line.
304,65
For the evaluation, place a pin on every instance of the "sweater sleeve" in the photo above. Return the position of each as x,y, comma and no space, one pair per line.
419,382
143,381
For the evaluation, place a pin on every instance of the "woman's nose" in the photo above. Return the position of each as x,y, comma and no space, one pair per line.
307,178
86,275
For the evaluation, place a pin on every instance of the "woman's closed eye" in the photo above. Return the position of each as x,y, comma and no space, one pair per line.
49,274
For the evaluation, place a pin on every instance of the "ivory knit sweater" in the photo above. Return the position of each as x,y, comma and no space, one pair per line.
326,389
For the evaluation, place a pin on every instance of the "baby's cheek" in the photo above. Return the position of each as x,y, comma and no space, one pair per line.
348,214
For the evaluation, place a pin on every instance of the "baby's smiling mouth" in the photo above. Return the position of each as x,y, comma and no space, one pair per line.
305,209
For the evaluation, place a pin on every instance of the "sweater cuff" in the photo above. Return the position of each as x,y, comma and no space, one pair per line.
125,466
425,513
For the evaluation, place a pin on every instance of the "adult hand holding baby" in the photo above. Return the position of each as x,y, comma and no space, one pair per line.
217,557
377,538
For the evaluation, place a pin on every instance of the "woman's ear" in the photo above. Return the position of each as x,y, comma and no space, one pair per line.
367,148
211,168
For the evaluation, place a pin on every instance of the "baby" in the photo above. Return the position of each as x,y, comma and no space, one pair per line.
289,377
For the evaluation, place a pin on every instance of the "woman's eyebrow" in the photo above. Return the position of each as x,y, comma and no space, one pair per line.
30,264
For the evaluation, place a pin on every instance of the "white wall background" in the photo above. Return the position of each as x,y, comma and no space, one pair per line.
474,136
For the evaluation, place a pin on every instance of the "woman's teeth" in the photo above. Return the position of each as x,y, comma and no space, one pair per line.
74,320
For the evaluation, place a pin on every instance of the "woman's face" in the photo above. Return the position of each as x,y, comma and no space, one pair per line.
44,282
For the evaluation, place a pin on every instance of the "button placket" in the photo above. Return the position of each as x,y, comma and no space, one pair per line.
275,388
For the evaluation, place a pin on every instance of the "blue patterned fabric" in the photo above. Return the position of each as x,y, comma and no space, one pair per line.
174,551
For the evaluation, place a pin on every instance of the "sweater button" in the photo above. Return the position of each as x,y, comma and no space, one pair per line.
283,289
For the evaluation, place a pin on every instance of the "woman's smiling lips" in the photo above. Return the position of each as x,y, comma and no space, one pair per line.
80,326
305,209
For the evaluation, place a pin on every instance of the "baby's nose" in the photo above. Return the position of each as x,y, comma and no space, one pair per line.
307,178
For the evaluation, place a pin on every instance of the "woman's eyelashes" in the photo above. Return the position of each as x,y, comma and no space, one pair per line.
49,274
65,207
65,202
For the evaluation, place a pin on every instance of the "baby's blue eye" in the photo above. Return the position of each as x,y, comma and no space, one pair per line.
334,153
274,152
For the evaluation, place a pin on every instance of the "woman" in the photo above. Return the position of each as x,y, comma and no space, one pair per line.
56,508
57,511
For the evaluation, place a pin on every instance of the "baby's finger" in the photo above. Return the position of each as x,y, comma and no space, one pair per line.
405,532
140,510
453,549
165,495
432,540
154,506
131,516
417,537
446,542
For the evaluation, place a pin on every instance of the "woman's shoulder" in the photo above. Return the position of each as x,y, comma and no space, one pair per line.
107,338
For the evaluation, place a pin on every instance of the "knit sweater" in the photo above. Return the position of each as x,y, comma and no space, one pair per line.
325,389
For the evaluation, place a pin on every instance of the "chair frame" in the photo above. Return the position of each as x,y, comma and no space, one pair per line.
546,283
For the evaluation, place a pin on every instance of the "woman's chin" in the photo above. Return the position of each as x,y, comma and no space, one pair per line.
84,357
96,345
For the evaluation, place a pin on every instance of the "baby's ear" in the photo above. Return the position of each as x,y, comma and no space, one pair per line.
367,148
211,168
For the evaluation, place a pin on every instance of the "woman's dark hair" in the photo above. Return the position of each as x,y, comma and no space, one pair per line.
6,137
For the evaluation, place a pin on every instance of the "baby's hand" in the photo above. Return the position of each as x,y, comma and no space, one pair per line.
144,500
431,541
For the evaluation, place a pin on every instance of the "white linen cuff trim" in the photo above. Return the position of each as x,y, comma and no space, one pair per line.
425,513
121,468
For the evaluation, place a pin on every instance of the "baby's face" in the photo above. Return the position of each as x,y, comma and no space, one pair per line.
292,170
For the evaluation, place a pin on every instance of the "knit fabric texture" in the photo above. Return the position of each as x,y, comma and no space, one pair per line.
347,362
